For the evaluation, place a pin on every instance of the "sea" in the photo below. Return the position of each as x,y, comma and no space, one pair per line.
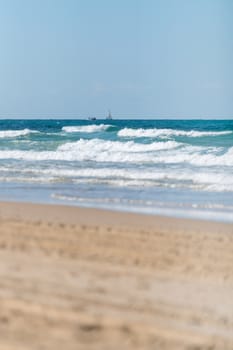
181,168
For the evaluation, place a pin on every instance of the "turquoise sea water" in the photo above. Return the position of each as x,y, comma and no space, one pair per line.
171,167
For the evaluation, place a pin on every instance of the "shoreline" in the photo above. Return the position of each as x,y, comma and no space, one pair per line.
219,216
76,278
79,215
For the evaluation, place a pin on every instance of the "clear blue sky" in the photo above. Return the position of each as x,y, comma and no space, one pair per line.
140,58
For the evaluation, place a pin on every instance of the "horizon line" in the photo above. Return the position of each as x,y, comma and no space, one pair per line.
75,116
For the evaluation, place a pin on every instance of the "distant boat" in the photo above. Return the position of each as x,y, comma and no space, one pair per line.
109,115
91,118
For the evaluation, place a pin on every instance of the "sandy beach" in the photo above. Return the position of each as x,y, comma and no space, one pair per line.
74,278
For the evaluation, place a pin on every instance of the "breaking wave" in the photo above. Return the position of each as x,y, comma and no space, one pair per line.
207,181
86,128
128,132
16,133
97,150
98,145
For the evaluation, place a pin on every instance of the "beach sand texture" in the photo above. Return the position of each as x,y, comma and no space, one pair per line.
73,278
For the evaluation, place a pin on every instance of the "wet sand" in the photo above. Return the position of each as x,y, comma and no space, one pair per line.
73,278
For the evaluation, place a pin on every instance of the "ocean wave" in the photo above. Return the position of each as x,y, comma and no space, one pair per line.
97,150
128,132
98,145
16,133
208,181
87,128
204,178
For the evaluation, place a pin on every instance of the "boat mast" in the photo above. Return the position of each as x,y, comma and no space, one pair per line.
109,114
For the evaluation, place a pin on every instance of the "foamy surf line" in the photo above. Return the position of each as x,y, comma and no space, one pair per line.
208,181
86,128
128,132
16,133
142,178
98,150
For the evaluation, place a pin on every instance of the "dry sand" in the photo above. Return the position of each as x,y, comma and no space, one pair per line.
74,278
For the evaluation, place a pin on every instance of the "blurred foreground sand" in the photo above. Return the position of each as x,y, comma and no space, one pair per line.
74,278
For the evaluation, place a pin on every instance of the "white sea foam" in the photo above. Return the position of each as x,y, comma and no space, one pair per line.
86,128
128,132
16,133
98,145
97,150
207,180
210,180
